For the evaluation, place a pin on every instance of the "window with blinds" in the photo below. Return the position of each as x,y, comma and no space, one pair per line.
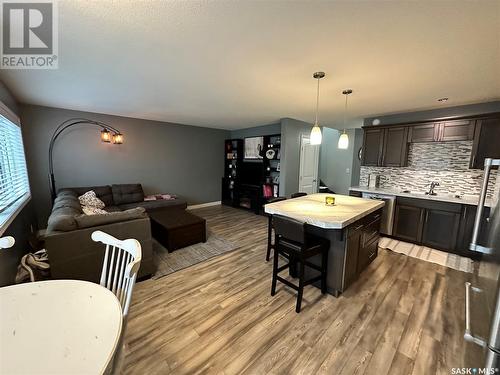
14,185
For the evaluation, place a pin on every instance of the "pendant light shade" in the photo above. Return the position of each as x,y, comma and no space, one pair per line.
316,135
343,143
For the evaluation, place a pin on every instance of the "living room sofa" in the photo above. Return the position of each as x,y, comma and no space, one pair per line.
73,254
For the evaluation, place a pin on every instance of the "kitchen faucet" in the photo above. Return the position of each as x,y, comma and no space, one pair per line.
432,186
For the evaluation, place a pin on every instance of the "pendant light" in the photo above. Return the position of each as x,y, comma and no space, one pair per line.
316,131
344,138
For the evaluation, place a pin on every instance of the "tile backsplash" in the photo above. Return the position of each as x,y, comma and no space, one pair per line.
444,162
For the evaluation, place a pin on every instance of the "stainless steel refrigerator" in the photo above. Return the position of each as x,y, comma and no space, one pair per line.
482,293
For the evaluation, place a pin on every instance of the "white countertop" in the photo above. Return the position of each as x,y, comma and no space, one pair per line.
312,209
465,199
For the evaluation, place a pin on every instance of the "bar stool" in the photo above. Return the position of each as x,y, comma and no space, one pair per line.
292,242
270,226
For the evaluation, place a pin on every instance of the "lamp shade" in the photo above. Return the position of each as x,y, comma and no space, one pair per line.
105,136
343,141
316,135
118,138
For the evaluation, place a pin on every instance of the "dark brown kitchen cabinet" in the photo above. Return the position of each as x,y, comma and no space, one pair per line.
486,142
468,218
440,229
456,130
351,258
385,147
423,133
372,146
408,221
395,147
366,254
361,246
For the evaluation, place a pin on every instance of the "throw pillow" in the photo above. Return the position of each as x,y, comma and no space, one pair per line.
89,210
91,200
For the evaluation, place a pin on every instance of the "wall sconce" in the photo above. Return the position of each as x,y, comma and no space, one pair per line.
118,138
105,136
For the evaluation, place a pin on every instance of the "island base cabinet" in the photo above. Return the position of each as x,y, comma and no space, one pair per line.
352,249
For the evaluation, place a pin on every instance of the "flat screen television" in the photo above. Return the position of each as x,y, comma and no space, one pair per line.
251,173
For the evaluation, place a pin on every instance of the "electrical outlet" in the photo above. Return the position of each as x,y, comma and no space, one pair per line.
347,170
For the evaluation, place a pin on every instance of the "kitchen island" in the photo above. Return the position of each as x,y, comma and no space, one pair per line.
351,225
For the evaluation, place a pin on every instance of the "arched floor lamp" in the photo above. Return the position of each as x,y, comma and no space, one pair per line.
106,136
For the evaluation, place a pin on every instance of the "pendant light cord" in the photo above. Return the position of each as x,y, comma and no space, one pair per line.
317,103
345,110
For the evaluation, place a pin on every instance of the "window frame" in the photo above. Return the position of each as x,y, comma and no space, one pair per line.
10,213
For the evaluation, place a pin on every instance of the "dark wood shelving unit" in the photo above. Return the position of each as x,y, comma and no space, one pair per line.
249,184
233,157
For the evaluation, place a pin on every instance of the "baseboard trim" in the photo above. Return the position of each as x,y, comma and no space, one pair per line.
208,204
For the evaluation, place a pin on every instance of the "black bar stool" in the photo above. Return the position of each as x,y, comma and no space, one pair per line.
295,245
270,227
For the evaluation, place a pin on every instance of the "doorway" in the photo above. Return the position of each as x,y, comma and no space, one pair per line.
308,167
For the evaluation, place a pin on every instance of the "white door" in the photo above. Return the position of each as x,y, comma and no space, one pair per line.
309,162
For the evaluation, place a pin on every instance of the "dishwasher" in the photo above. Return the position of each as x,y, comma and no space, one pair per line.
387,219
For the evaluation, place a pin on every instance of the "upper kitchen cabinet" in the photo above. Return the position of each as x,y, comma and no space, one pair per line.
486,142
423,133
385,147
456,130
372,146
395,147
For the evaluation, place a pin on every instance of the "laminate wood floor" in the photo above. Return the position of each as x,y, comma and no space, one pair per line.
403,316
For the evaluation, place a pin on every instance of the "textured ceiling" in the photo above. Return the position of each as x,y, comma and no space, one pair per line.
235,64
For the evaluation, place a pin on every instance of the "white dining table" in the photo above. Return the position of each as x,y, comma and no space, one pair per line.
58,327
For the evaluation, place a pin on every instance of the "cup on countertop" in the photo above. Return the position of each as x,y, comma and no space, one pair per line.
330,200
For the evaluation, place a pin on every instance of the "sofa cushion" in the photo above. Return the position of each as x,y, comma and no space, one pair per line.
63,219
89,210
66,193
86,221
89,199
67,201
158,204
102,192
112,209
127,193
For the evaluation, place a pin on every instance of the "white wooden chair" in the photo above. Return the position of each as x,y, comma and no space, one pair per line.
122,260
7,242
119,270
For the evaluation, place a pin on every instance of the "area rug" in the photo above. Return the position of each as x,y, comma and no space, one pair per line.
167,263
428,254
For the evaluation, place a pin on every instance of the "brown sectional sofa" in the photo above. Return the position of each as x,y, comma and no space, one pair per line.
72,253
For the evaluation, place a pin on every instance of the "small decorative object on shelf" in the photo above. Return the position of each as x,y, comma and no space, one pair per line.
330,200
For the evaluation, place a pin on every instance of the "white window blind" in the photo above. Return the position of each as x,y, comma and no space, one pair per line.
14,184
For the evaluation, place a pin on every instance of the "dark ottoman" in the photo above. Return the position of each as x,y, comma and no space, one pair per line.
176,229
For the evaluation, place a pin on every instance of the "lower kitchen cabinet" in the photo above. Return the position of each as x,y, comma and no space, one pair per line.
408,222
351,261
467,227
361,246
440,229
440,225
